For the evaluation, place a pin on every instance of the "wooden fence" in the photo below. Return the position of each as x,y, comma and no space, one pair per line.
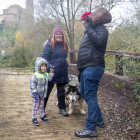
17,71
118,56
71,59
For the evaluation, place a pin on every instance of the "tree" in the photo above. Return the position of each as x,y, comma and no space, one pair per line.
67,14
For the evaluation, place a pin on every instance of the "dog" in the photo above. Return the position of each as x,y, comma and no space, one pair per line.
72,94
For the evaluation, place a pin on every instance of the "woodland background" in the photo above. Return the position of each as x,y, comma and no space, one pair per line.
23,45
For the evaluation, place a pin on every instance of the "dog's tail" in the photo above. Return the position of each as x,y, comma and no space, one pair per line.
55,94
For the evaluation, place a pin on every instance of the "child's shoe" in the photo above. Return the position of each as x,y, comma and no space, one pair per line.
35,122
44,119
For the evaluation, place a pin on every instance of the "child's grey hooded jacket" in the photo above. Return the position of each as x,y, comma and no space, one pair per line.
39,80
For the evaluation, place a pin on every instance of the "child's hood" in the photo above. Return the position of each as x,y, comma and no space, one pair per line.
38,63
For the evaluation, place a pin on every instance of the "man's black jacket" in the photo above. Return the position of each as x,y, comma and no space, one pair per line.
92,48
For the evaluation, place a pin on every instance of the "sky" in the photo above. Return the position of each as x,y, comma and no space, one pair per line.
4,4
119,10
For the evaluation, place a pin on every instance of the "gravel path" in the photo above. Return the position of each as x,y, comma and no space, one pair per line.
16,110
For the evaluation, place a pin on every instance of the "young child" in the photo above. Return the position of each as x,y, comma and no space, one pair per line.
39,85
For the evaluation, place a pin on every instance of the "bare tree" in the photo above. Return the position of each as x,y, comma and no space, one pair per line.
67,13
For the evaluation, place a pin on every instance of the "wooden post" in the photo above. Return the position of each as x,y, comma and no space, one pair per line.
119,65
71,58
24,71
75,58
18,71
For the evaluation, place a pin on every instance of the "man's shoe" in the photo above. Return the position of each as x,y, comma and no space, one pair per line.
86,133
63,112
44,119
101,124
35,122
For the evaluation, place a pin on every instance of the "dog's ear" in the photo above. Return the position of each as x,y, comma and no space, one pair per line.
66,89
78,88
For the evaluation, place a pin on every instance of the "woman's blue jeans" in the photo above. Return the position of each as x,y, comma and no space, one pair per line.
89,82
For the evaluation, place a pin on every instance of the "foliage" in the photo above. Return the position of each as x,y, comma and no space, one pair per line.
5,61
23,50
9,34
131,68
32,63
126,38
20,56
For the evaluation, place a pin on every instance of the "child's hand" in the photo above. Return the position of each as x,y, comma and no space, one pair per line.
51,70
36,95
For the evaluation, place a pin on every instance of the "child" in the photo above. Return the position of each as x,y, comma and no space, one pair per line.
39,85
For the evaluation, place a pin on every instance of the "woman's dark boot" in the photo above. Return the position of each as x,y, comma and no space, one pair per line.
63,112
61,105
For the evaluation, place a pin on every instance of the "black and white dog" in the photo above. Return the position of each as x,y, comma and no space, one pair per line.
72,93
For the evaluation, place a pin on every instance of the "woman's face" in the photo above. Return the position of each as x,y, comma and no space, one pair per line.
58,36
83,22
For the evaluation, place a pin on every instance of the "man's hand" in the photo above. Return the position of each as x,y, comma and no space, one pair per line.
88,24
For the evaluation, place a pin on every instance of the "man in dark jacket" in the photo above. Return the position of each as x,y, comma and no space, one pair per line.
91,65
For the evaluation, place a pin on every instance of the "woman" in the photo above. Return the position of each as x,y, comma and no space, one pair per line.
55,53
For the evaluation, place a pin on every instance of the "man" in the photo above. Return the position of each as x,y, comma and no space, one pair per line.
91,66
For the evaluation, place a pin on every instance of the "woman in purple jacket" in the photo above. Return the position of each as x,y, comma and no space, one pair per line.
55,53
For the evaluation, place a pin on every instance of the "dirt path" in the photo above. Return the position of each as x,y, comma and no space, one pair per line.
16,110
